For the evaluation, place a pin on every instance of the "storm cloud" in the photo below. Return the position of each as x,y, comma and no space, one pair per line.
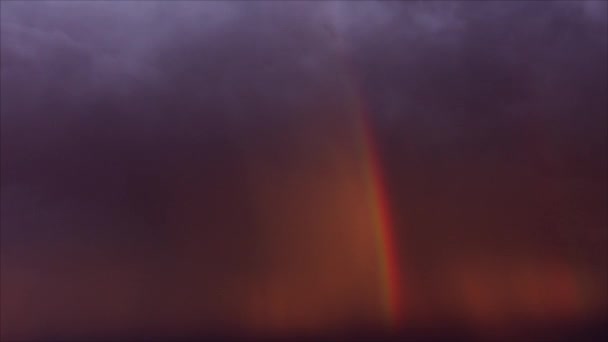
185,167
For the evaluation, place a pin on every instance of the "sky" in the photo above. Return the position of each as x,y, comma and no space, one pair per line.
190,168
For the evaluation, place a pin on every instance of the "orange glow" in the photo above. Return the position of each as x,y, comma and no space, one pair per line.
322,270
508,292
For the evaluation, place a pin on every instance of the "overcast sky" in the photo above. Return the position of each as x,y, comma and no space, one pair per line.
209,150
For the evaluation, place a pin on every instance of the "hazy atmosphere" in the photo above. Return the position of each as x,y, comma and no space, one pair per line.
190,168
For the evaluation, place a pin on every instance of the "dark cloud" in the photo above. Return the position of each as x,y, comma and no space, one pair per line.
205,150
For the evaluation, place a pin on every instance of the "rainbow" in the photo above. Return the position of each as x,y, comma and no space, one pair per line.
388,258
392,287
381,220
